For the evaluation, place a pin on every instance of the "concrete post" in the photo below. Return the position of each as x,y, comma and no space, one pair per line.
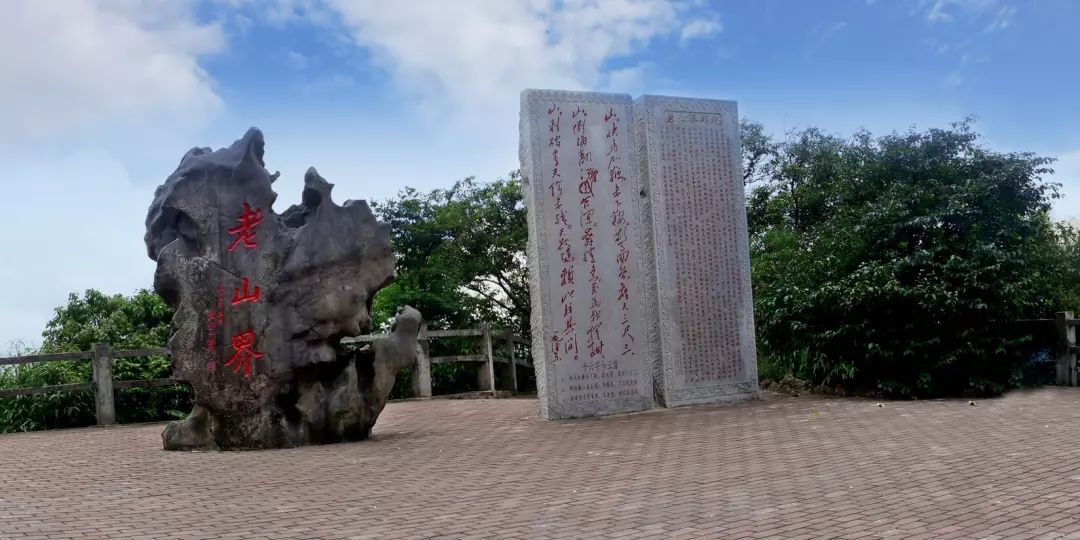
485,376
1066,349
104,404
511,361
421,375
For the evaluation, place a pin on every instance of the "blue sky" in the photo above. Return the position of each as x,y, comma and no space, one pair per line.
102,97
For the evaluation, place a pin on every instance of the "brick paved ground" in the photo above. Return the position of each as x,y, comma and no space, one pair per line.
782,467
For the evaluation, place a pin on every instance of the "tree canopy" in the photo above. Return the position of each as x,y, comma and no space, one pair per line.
126,322
899,264
895,264
461,255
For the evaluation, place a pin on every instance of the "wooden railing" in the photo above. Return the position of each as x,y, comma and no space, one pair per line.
103,386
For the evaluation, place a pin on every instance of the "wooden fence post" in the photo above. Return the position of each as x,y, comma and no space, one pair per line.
421,376
511,360
104,404
1066,349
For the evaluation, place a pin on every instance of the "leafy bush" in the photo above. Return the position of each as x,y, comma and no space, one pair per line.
900,264
54,410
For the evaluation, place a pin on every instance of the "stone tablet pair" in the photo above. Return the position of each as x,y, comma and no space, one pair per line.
638,252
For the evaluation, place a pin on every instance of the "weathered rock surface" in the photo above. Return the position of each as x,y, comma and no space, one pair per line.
262,302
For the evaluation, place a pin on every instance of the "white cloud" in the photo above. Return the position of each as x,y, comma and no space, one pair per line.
937,13
700,28
479,54
628,80
1003,19
71,64
941,11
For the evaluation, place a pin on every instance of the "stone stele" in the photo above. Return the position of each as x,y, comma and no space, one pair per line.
592,344
691,166
262,302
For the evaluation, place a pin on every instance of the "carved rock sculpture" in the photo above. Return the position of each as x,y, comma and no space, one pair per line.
262,302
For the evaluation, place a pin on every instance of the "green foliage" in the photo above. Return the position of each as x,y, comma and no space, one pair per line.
899,264
1062,260
59,409
461,255
461,262
134,322
139,321
896,265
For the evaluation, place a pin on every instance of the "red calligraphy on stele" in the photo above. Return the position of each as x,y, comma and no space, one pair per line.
244,231
243,344
618,219
594,341
243,352
564,341
239,297
214,319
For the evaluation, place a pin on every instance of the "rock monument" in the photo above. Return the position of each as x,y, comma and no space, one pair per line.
638,252
263,300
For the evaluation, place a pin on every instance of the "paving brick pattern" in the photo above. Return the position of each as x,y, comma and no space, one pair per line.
783,467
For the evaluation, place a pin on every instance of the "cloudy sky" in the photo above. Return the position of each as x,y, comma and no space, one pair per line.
100,98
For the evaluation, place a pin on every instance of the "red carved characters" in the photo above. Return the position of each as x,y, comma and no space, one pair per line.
243,344
564,341
214,319
618,220
245,228
243,353
594,342
247,297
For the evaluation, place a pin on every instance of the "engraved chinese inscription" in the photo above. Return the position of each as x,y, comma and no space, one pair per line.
585,207
699,199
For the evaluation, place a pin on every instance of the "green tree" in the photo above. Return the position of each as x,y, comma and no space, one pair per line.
899,264
460,261
125,322
461,254
1061,259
